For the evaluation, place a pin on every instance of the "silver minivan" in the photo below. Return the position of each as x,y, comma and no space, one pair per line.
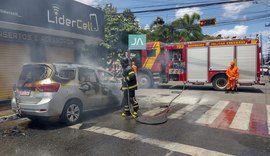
64,91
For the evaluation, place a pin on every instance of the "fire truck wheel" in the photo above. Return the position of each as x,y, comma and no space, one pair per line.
145,81
219,82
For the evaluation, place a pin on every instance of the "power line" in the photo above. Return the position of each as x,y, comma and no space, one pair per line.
190,6
246,13
223,23
162,5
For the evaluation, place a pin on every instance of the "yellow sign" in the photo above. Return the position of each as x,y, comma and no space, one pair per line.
180,46
233,42
196,45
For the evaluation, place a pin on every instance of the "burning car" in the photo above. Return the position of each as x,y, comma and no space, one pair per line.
64,91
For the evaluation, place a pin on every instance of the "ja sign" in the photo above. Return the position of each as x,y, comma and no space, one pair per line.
136,42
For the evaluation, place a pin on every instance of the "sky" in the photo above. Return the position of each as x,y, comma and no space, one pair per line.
242,13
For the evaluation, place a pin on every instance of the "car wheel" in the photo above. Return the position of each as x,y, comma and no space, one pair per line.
72,112
144,81
219,82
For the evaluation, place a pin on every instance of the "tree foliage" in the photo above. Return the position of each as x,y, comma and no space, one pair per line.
186,28
117,28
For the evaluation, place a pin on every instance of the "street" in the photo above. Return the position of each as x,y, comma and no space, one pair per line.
202,121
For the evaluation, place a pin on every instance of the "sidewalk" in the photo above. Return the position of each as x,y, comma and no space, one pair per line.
6,113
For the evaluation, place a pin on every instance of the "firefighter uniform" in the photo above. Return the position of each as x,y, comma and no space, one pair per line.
129,85
233,75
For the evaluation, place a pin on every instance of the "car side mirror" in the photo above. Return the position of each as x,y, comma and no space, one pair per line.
85,87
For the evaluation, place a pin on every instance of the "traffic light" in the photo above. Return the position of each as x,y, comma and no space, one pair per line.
207,22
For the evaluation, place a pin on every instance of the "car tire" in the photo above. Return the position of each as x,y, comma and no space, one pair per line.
219,82
72,112
144,81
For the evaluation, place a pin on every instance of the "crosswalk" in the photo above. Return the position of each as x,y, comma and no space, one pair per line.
241,117
213,113
167,145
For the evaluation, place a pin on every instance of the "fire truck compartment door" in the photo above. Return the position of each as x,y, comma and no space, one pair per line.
197,64
246,62
220,57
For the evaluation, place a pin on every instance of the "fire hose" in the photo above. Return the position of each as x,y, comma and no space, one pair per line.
155,120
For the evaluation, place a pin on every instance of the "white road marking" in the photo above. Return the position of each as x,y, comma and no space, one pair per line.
169,153
77,126
242,117
180,113
168,145
187,100
154,111
268,117
209,116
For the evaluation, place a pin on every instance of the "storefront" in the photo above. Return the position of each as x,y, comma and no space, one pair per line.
52,31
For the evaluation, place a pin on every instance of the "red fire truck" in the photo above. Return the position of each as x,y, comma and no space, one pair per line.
197,63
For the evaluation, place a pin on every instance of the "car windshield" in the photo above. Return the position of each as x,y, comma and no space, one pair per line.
33,73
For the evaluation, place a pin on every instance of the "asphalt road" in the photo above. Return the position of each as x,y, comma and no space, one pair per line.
201,122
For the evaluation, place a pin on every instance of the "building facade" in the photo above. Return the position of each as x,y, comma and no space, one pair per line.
43,31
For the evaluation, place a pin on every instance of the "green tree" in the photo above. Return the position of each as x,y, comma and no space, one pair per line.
188,27
117,28
129,25
112,27
159,32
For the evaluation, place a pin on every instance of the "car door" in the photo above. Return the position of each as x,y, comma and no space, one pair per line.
92,96
110,86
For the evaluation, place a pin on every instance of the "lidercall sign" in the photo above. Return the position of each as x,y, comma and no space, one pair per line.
64,15
56,17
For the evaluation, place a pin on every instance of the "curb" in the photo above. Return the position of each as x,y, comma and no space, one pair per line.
8,118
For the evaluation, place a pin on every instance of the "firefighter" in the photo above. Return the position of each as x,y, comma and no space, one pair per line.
134,67
129,85
233,75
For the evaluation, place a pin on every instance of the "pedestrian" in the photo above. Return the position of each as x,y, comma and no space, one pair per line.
134,67
233,75
129,85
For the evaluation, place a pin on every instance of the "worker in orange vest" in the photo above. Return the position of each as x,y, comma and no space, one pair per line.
233,75
134,67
